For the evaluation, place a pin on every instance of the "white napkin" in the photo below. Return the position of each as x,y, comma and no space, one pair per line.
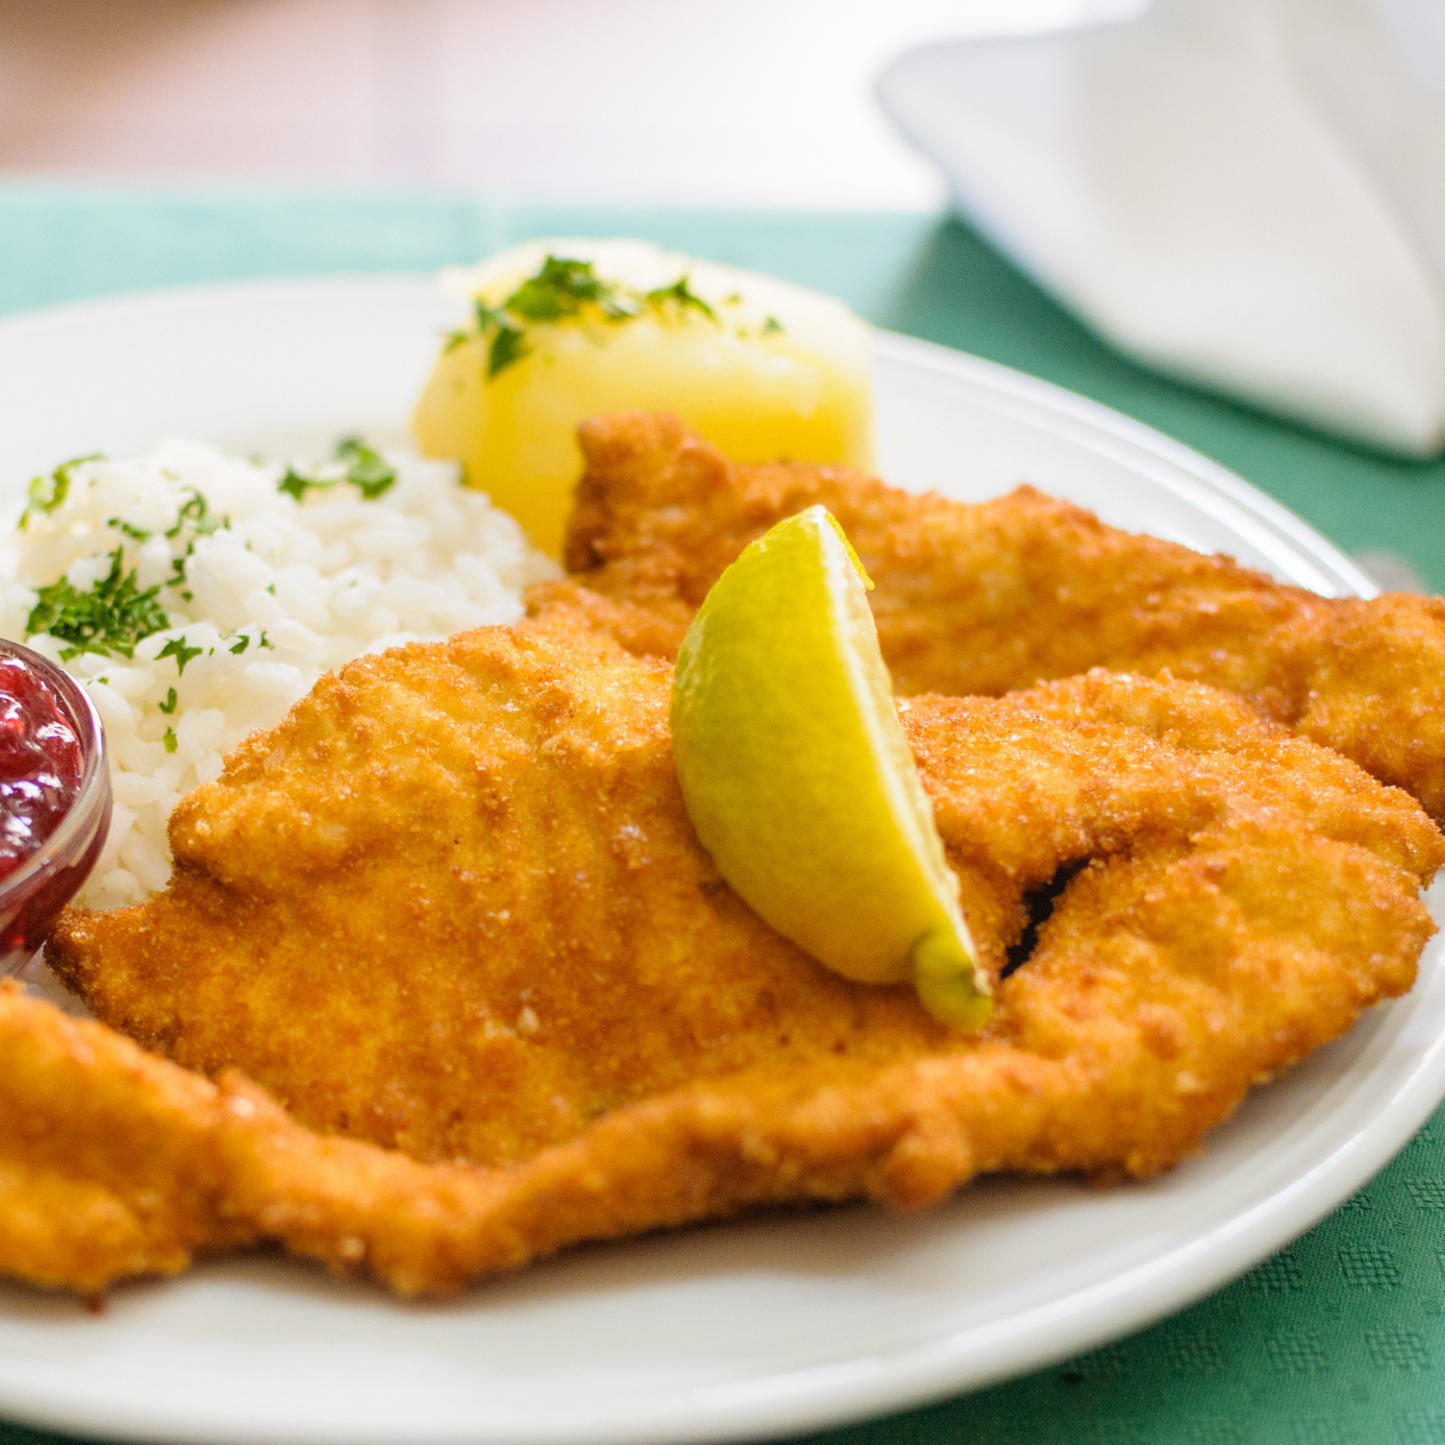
1249,194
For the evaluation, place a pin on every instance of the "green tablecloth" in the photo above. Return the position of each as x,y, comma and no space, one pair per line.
1341,1337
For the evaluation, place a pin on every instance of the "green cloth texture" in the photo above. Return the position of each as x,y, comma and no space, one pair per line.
1337,1340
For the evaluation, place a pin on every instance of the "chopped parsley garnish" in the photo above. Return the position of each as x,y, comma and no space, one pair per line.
240,641
772,325
487,316
169,705
562,289
559,289
178,566
681,295
507,346
366,469
109,618
177,648
45,494
169,739
295,485
114,613
195,513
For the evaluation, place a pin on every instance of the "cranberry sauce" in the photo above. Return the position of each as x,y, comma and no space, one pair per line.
54,798
41,761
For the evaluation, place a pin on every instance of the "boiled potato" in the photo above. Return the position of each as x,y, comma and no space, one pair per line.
570,329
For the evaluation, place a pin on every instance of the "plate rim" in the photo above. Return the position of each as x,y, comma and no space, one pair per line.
910,1375
1027,392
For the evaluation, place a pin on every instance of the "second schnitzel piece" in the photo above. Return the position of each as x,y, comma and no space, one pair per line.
986,598
454,905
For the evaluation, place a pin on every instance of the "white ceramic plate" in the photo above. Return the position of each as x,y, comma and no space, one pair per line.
774,1325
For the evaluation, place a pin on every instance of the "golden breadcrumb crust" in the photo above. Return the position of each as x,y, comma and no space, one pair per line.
452,906
987,598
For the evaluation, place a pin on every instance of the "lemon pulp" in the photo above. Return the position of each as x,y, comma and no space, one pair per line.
796,774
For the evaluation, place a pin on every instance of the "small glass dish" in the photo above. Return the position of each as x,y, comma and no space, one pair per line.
32,896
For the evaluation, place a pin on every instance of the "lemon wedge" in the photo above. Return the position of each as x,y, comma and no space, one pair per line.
799,781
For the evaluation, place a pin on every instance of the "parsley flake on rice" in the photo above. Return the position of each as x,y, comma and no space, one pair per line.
199,595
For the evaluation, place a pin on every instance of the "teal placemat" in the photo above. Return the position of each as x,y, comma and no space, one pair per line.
1339,1339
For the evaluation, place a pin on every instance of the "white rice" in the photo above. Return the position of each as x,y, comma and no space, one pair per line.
279,593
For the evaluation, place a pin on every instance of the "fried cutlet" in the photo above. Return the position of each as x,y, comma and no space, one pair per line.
115,1163
987,598
453,906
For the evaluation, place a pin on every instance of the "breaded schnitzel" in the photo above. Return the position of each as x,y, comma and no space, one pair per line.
453,905
983,599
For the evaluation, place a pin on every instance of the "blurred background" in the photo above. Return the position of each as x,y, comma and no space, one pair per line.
1224,211
748,103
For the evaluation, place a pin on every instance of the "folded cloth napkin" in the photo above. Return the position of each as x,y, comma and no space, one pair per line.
1249,194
